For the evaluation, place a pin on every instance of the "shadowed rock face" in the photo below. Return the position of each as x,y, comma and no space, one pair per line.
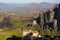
46,37
57,12
57,15
59,5
49,16
6,23
40,19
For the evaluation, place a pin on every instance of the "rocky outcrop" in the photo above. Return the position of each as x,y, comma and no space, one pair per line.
51,18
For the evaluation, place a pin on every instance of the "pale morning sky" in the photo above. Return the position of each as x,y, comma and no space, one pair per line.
29,1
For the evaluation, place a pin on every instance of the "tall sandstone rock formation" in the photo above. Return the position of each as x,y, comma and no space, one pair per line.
41,15
57,15
51,18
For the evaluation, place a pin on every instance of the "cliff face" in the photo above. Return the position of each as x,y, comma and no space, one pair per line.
57,15
51,18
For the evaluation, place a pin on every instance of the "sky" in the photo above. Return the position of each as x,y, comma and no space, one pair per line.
29,1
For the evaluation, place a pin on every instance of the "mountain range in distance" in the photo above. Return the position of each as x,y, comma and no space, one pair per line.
26,6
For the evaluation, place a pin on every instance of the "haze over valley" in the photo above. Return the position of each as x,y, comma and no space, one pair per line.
25,9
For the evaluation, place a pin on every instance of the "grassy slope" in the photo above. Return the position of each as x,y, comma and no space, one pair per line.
5,34
17,24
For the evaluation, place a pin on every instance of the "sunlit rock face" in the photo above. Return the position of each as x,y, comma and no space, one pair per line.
41,19
34,33
51,16
34,22
55,25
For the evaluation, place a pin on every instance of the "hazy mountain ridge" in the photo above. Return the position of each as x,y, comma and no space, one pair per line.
5,6
26,6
